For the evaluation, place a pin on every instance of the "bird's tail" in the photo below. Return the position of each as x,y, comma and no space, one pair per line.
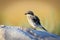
43,28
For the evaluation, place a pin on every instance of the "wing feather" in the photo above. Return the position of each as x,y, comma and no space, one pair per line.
36,20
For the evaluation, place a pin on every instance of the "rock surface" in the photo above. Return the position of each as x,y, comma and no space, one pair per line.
16,33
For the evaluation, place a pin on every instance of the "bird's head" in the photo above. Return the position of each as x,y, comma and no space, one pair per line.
29,13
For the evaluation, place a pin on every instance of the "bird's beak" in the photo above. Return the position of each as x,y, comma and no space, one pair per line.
25,13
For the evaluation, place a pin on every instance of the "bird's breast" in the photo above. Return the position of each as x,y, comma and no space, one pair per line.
31,21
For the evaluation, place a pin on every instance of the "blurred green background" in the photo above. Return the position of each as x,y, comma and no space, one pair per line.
12,13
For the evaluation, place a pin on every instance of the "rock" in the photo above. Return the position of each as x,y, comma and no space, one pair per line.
16,33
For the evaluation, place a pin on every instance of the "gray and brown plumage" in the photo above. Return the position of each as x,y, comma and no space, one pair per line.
33,20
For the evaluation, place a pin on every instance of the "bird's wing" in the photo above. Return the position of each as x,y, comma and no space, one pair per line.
36,20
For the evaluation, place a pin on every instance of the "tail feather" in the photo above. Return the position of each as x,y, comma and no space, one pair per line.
43,28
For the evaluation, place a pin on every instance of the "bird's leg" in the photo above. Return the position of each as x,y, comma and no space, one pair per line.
34,28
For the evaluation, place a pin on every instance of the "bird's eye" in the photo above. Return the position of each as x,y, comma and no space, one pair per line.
28,13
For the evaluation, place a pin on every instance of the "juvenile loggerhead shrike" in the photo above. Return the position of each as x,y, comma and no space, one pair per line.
34,20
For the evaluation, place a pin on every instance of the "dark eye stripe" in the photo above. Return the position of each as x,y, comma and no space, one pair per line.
29,13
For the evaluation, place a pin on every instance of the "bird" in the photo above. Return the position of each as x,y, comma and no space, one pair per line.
33,20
